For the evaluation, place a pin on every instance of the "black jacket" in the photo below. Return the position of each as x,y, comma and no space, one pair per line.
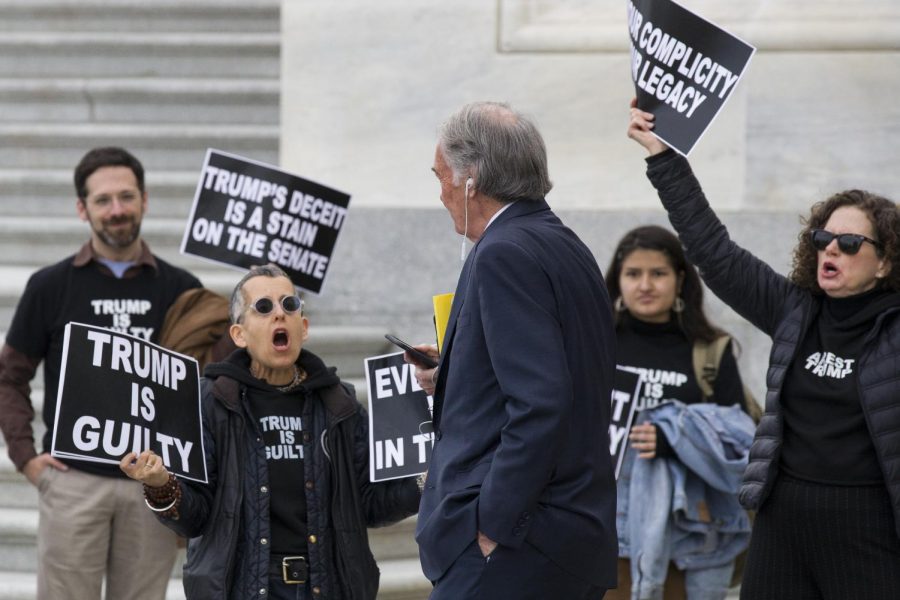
785,312
228,518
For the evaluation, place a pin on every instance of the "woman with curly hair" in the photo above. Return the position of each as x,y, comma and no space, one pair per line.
824,472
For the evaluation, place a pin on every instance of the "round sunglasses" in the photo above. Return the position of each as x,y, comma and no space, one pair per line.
289,304
849,243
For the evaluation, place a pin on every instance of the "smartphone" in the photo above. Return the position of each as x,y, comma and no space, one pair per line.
420,357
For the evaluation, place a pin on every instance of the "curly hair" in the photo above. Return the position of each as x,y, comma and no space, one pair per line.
692,320
885,221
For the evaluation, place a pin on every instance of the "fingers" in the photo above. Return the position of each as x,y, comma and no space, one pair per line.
57,464
429,349
145,467
640,121
427,379
34,467
643,439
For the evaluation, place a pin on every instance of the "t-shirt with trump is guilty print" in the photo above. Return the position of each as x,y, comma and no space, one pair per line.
279,423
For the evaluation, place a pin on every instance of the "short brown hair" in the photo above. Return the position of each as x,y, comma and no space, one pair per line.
110,156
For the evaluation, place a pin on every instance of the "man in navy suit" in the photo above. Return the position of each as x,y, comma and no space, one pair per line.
520,497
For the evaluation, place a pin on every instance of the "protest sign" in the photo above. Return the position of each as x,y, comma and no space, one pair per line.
119,393
248,213
624,401
684,68
400,432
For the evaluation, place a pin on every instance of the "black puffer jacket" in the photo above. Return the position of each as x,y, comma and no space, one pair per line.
784,312
228,518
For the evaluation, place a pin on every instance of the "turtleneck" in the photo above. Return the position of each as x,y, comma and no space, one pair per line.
662,356
826,438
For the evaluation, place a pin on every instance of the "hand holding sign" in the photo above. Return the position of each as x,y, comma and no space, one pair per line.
640,130
145,467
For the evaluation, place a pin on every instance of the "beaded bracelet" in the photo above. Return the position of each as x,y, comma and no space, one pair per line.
169,493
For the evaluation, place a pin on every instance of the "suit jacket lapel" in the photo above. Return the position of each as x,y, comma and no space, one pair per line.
458,298
520,208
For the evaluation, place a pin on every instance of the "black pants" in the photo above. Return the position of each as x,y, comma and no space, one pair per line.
507,574
813,541
278,590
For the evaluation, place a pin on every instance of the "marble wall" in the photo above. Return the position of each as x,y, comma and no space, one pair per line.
365,85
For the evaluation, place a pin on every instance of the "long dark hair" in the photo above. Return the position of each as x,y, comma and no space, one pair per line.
692,319
885,221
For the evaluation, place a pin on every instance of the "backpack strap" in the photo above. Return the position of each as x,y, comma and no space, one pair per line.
706,358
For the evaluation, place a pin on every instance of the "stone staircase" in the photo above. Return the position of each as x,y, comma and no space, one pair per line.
167,80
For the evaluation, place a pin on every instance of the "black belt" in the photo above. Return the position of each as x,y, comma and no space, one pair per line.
291,569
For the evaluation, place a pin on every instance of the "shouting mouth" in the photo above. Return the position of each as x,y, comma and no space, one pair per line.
829,269
280,339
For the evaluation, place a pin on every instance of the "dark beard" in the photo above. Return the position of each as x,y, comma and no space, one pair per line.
121,240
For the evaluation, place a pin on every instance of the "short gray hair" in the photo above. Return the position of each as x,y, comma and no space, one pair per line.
500,148
238,303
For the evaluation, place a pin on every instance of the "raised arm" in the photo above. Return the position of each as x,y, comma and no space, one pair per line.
744,282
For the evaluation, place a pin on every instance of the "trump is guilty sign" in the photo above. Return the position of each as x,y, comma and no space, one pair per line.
119,393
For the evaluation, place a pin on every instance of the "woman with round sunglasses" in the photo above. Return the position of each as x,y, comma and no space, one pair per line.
824,472
285,512
660,327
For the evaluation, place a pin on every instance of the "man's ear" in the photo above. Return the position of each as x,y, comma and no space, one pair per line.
81,209
236,331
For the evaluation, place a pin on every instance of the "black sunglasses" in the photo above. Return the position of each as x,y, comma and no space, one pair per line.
290,305
849,243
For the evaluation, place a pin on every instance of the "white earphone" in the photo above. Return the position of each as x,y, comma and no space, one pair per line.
462,250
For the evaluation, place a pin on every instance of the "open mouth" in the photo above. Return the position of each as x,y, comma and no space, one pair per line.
829,269
280,339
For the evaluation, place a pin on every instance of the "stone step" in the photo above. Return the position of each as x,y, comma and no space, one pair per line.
15,491
167,147
51,193
19,525
140,54
51,239
138,100
18,538
239,16
400,580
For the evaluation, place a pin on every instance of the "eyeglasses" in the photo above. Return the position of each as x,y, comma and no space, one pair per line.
849,243
290,305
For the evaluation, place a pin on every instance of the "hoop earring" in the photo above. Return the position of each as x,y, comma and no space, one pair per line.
619,305
678,306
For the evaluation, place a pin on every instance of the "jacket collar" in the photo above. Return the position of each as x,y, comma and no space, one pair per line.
337,399
86,255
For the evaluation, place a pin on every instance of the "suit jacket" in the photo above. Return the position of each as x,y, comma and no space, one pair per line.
522,404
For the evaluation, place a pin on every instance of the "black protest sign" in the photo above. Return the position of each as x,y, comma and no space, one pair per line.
248,213
119,393
684,68
624,401
400,432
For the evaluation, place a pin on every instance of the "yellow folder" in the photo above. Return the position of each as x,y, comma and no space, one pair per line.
442,304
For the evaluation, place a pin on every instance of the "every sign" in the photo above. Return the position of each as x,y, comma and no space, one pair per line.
400,432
